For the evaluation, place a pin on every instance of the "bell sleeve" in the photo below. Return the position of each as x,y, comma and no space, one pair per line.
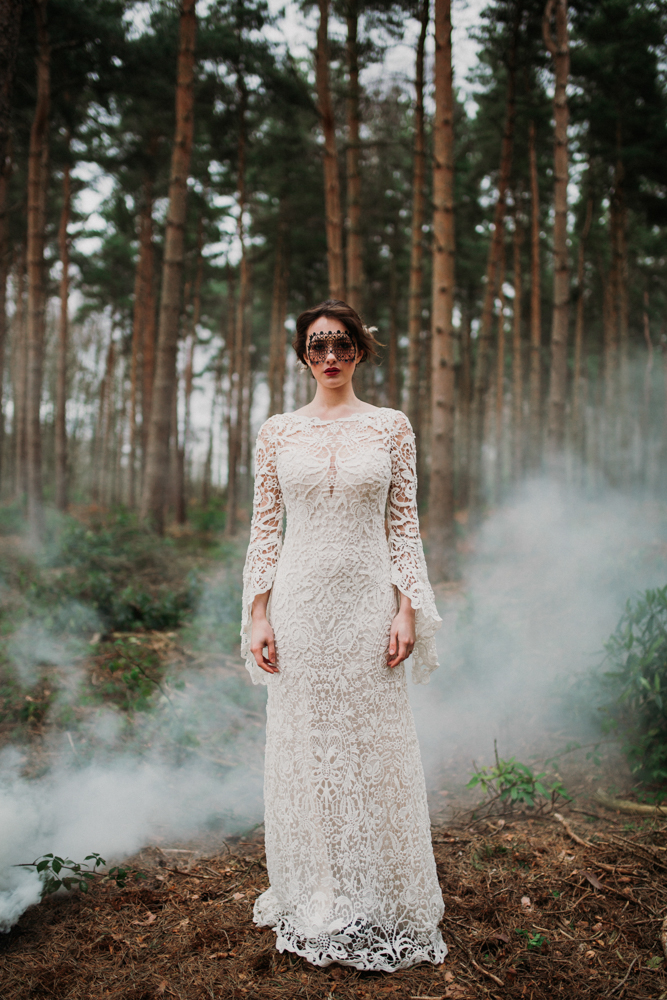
408,565
266,539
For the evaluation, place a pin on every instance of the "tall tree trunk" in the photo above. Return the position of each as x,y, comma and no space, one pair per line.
517,348
577,387
354,240
560,52
500,379
143,335
535,368
415,292
5,172
247,389
277,343
441,488
334,218
237,368
464,399
622,311
393,386
63,336
646,409
10,24
106,391
37,187
157,463
20,375
482,361
184,457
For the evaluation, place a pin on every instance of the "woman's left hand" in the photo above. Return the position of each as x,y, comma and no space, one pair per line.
402,635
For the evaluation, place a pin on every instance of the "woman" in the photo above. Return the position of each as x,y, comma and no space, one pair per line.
338,607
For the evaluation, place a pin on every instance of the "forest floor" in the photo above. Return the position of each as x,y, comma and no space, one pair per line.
529,913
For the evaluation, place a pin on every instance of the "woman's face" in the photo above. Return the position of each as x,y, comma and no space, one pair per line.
331,354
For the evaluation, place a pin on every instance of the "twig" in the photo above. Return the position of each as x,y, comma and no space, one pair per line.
626,806
485,972
570,832
663,936
464,947
625,979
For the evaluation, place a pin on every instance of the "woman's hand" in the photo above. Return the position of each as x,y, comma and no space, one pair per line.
261,635
402,635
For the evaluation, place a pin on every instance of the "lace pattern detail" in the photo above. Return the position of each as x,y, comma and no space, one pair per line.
348,843
408,565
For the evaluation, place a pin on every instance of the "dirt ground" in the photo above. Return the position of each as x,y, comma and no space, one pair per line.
529,913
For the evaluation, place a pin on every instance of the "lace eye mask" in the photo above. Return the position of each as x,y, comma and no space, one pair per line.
339,343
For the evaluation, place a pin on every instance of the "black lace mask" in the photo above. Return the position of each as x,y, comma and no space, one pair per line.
324,342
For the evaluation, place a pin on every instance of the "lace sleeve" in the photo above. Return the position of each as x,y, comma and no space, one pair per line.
408,566
265,541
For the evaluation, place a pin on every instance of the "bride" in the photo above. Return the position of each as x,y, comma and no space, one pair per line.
330,615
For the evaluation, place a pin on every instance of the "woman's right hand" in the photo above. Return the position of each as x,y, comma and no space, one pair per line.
261,637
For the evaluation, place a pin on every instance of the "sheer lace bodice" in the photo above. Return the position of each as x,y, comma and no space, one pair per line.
347,830
342,483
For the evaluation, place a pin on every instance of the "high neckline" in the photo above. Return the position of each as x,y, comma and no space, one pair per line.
338,420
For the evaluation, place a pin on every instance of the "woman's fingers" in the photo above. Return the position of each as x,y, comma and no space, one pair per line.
272,652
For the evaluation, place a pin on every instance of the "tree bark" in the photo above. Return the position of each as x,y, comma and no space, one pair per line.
482,363
464,401
20,374
10,25
143,335
5,173
646,409
157,462
577,387
184,462
392,378
354,239
560,53
237,368
500,378
277,338
535,369
517,349
63,337
37,187
441,487
415,292
334,218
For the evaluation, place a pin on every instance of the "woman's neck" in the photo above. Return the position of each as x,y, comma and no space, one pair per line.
338,402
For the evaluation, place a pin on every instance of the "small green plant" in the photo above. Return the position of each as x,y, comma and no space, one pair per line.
50,868
534,942
513,783
635,686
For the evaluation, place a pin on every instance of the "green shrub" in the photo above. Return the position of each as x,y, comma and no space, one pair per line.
635,688
129,578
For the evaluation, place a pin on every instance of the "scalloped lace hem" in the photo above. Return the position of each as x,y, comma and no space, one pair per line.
361,945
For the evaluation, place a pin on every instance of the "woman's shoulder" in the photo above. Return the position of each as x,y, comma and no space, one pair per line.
398,420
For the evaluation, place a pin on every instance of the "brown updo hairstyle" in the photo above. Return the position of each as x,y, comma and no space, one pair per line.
349,320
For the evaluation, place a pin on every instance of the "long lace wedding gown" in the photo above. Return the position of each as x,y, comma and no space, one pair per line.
348,845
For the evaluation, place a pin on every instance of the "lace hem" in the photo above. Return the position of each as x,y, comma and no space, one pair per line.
360,944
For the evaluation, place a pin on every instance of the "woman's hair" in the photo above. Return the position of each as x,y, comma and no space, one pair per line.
349,320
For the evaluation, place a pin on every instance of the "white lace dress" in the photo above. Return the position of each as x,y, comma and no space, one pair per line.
348,844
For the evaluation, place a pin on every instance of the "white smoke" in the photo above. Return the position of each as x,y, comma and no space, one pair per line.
544,586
